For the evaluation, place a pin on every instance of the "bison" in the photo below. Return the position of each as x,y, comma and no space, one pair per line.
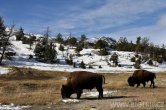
141,76
79,80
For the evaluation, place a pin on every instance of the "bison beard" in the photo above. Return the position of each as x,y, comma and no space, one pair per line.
141,76
79,80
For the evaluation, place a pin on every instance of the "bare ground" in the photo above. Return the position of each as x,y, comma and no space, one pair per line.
41,90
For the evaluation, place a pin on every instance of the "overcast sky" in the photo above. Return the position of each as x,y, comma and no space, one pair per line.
113,18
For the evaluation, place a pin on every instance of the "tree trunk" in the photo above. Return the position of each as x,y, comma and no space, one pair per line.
5,44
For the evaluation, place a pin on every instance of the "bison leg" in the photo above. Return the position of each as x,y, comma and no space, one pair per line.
79,92
152,83
144,84
138,84
100,90
101,94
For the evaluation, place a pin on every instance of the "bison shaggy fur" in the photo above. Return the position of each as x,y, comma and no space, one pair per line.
79,80
142,76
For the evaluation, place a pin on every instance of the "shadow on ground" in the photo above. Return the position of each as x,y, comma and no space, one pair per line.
106,98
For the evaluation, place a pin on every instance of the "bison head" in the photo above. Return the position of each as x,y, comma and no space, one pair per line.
65,91
131,81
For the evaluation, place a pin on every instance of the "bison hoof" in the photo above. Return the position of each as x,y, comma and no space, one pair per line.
100,97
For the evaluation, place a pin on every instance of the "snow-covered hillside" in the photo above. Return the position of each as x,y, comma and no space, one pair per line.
87,55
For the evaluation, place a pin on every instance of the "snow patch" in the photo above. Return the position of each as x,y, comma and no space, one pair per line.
3,70
70,100
87,94
95,94
12,107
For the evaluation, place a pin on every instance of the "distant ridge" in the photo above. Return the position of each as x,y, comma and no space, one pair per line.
109,40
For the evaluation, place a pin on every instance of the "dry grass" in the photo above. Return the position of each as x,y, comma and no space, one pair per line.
140,94
116,81
33,87
147,94
29,86
129,98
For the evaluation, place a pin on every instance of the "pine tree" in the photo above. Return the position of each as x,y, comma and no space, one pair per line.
45,53
4,38
133,59
122,44
24,40
2,32
144,44
114,58
82,65
39,51
69,60
45,50
78,49
138,45
72,41
83,40
20,34
163,52
137,64
61,48
46,37
59,38
100,66
50,53
150,62
100,44
31,40
104,52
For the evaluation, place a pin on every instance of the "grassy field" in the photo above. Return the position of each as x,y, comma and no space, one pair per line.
30,87
27,86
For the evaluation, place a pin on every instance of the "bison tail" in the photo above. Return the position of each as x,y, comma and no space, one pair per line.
103,79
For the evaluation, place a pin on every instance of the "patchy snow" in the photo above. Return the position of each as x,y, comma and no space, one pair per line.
22,49
88,94
12,107
95,94
70,100
87,55
4,70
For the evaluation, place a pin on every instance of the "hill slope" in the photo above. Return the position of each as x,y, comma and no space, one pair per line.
87,55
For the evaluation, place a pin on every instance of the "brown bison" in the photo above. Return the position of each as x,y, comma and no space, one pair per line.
79,80
141,76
